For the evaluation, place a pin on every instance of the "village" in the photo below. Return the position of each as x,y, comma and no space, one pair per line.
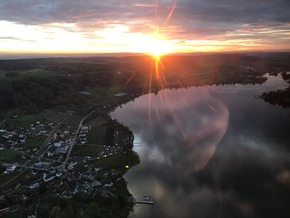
62,159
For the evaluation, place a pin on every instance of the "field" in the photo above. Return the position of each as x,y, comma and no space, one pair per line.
74,119
40,73
35,141
87,150
118,161
97,136
6,178
96,122
10,155
17,214
25,120
54,116
97,95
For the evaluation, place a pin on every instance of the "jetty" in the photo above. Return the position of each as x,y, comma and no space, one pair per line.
137,144
148,199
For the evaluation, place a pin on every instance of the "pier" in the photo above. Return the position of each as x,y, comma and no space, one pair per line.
148,199
144,202
137,144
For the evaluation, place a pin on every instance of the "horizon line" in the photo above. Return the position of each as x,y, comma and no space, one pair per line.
35,55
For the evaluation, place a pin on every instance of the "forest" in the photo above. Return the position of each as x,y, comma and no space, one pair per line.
35,84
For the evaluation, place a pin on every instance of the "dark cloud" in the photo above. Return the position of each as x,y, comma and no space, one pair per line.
39,12
198,17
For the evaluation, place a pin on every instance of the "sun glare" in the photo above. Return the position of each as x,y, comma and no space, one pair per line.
151,45
157,48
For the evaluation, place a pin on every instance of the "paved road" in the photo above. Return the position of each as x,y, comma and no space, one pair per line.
74,141
3,121
44,147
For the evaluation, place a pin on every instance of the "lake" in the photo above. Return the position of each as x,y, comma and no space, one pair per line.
212,151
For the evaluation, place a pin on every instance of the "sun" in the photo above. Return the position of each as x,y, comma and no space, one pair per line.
152,45
157,48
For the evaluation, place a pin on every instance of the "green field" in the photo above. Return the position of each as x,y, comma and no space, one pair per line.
16,214
25,120
96,122
54,116
35,141
6,178
87,150
74,119
97,135
97,95
10,155
40,73
118,161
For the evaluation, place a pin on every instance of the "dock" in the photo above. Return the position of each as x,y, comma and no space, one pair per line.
137,144
148,199
144,202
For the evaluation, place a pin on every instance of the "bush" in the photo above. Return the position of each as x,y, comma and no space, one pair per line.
12,74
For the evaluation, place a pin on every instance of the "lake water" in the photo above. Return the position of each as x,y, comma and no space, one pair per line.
214,151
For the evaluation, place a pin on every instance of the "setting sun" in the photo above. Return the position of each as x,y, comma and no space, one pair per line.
151,45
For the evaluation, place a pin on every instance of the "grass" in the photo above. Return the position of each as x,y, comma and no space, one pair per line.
25,120
118,161
35,141
96,122
121,136
114,89
18,178
11,184
16,214
97,135
97,95
40,73
86,150
6,178
74,119
10,155
54,116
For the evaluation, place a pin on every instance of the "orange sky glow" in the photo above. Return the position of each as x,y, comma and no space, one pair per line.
154,27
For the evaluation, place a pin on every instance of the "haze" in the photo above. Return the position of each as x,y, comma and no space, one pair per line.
164,26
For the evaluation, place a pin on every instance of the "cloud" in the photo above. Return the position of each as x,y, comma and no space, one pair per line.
176,19
15,38
196,11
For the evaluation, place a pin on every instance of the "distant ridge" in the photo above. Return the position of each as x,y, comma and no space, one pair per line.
6,56
11,56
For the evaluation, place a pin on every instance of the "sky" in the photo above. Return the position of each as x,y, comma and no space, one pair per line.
152,26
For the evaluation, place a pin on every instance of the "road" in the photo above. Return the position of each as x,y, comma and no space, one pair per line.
3,121
74,140
43,147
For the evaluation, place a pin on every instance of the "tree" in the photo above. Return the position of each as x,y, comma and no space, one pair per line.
93,210
2,168
70,212
55,212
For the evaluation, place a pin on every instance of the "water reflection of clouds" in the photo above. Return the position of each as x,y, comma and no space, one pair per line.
183,124
246,175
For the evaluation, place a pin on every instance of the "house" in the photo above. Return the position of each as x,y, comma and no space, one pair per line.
49,177
66,132
57,144
6,136
11,168
58,174
34,185
42,164
64,149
